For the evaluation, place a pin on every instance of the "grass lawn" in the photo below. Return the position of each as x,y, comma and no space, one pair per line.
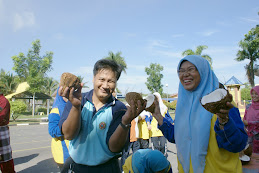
27,119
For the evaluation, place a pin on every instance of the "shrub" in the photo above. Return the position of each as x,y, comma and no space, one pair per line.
42,110
17,107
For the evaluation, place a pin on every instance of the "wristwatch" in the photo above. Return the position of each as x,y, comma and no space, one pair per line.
125,126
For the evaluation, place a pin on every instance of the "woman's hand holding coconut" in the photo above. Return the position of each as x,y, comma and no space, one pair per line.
223,115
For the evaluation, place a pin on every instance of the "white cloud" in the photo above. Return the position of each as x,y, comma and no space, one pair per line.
169,53
25,19
137,67
250,20
207,33
158,43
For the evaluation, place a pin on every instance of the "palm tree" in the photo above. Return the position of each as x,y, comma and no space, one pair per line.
198,51
118,59
250,50
8,82
51,86
81,78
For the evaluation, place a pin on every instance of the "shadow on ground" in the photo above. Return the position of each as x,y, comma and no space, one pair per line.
21,160
45,166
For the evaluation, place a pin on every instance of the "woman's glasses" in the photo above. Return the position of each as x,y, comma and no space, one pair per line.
188,70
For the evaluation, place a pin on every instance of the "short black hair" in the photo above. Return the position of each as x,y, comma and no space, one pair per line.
107,64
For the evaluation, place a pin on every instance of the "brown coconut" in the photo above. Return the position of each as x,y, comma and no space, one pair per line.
248,150
135,97
150,106
216,100
69,80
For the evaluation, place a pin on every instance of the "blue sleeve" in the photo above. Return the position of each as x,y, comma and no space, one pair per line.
233,138
64,114
168,130
118,111
169,118
53,127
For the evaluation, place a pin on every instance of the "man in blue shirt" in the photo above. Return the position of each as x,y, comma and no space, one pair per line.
97,123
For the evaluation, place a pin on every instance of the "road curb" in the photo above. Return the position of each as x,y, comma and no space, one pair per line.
26,124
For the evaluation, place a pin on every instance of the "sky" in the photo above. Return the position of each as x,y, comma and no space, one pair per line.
146,31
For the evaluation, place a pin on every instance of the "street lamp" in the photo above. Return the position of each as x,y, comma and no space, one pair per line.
166,85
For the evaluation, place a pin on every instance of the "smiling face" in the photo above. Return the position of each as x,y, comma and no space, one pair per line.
104,84
254,96
189,76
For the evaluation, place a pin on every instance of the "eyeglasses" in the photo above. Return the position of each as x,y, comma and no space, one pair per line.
188,70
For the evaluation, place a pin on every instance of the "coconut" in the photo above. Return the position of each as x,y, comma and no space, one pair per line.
150,106
69,80
216,100
135,97
248,150
245,159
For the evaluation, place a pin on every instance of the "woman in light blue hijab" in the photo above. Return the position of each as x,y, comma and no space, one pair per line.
205,142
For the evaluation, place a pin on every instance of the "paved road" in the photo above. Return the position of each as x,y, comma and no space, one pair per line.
32,152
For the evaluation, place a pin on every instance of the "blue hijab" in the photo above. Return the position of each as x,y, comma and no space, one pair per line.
192,121
59,103
147,160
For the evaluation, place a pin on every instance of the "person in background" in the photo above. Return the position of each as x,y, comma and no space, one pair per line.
205,142
144,132
158,140
251,120
59,146
147,161
96,123
6,160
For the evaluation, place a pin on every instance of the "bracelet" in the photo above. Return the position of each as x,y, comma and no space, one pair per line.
223,124
125,126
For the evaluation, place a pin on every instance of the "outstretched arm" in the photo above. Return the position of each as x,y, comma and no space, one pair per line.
163,124
232,136
72,124
119,138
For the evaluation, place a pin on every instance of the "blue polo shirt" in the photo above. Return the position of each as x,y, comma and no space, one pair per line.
90,146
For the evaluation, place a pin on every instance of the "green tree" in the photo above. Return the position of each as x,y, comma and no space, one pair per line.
198,51
249,50
8,82
118,59
33,67
154,80
17,107
245,92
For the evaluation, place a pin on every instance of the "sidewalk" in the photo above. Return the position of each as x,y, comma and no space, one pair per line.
28,121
